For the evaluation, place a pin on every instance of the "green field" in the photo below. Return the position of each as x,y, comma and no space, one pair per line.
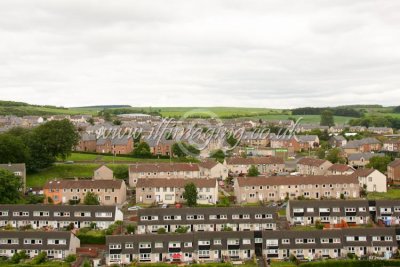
390,194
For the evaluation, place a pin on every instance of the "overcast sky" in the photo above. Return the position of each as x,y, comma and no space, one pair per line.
200,53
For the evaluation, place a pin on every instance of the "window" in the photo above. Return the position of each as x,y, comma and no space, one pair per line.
115,246
285,241
217,241
129,245
188,244
158,245
145,245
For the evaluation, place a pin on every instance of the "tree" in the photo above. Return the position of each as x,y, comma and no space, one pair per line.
396,109
181,149
90,121
91,199
10,186
253,171
117,122
231,140
219,155
121,172
190,194
327,118
379,163
335,156
13,149
321,153
51,140
142,150
136,139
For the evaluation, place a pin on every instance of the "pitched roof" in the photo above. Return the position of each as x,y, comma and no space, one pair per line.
367,156
95,184
363,172
311,162
163,167
340,168
13,167
395,163
208,164
255,161
296,180
174,182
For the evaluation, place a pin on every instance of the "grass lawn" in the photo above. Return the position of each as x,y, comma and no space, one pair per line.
310,119
282,212
63,171
282,264
390,194
303,228
85,157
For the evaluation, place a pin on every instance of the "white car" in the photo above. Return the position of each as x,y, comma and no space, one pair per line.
134,208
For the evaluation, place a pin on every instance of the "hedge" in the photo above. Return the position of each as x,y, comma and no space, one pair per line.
92,239
352,263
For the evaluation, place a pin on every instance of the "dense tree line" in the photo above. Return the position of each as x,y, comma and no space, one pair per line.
338,111
38,147
377,121
119,111
396,109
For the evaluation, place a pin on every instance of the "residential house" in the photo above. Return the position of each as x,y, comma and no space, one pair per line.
212,219
328,212
340,169
122,146
170,190
380,130
255,138
58,217
18,169
109,191
311,166
265,165
391,145
161,147
337,141
360,160
369,144
57,245
387,211
186,248
87,143
213,169
276,188
393,170
244,245
372,180
162,170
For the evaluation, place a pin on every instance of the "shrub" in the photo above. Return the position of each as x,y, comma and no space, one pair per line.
70,258
39,259
161,231
130,228
182,229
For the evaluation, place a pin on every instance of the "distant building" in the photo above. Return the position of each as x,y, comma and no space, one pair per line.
394,171
18,169
311,166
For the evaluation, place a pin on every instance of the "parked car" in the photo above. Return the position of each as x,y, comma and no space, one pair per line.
164,206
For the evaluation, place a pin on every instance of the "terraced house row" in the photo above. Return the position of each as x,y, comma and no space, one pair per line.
57,245
207,219
242,245
351,212
58,216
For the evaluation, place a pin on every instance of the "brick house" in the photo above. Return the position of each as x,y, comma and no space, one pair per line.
393,170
